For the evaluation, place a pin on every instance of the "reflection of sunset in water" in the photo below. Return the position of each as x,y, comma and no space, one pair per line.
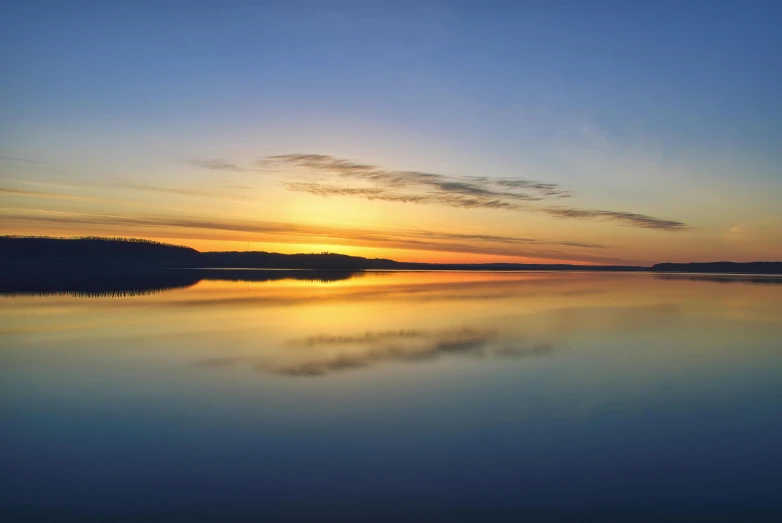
375,319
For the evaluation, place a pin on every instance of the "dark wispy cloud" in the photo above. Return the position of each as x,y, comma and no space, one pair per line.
369,193
52,195
328,175
452,200
625,218
489,191
218,165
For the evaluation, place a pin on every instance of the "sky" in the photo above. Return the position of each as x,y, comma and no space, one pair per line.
582,132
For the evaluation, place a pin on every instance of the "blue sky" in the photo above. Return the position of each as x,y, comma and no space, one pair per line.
608,98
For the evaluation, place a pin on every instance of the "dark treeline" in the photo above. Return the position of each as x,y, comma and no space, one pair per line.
97,253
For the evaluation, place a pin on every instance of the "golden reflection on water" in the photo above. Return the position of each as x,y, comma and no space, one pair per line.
311,328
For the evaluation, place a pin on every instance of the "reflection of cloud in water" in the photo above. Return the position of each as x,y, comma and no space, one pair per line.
327,354
513,351
367,337
670,308
216,363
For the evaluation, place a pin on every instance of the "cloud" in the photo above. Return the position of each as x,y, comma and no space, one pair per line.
508,239
326,176
94,185
367,337
368,193
737,233
480,191
165,190
625,218
218,165
452,200
52,195
20,160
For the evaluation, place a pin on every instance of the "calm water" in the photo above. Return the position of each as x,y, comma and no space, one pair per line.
405,396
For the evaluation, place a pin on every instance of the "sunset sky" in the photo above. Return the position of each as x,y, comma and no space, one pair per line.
584,132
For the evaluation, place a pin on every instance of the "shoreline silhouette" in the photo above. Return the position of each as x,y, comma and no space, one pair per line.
119,266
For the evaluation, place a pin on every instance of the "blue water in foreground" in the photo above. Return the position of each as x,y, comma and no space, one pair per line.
399,396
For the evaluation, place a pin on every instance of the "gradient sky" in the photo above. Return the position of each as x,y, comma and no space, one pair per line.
590,132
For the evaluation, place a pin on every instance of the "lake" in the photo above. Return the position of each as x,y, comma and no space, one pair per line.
414,396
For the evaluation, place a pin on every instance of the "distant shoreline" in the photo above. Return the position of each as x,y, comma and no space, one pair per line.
94,267
576,268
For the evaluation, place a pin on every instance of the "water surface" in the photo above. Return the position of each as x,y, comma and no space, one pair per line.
395,395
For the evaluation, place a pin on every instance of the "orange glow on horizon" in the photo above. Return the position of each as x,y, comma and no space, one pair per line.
204,244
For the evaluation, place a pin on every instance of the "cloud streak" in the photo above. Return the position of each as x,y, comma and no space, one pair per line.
20,160
165,190
452,200
218,165
625,218
55,196
102,186
329,176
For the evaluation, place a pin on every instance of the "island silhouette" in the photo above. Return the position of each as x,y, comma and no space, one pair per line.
127,266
